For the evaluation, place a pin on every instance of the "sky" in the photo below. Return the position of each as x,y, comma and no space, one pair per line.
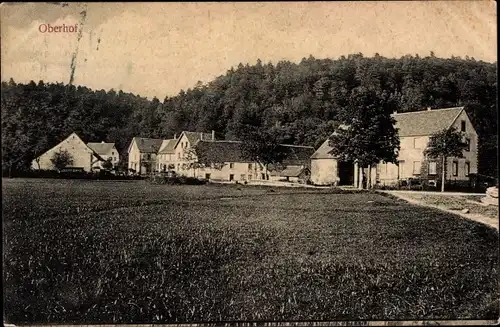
157,49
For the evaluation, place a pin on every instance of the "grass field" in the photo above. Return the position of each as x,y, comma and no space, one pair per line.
121,252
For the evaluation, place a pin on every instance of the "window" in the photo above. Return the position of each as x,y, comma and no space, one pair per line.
467,168
207,176
249,166
148,156
417,165
179,155
467,142
401,164
432,168
249,177
112,153
263,176
231,177
462,126
455,168
178,167
415,143
231,165
242,177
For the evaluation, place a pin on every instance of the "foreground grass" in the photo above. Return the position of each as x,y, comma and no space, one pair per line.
121,252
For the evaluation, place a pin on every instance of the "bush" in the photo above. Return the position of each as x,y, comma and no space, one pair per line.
71,174
175,180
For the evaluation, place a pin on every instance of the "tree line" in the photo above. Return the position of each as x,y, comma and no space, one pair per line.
295,103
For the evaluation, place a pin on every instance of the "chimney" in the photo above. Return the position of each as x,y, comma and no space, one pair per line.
201,136
175,136
429,108
103,142
213,135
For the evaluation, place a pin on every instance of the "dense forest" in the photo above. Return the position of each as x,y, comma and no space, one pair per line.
300,102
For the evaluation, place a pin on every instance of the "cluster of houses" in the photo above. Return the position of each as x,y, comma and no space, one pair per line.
302,164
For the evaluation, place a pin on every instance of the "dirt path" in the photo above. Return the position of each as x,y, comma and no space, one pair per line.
448,203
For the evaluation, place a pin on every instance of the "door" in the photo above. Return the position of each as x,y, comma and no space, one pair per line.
346,172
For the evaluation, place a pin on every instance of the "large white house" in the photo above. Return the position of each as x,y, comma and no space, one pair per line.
414,129
82,155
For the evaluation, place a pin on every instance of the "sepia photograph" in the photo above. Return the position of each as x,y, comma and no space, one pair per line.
250,163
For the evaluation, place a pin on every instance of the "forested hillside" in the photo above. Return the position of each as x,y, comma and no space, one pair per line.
300,102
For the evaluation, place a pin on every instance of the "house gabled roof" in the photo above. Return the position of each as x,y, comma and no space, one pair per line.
323,151
147,145
230,151
426,122
194,137
94,153
101,148
167,146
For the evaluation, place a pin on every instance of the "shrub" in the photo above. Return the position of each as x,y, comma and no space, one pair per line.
175,180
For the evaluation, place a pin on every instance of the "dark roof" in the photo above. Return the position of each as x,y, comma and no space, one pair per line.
426,122
101,148
167,146
224,151
147,145
230,151
298,154
293,171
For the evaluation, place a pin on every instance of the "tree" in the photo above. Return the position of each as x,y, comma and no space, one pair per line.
193,161
61,159
366,134
108,165
444,144
206,157
262,146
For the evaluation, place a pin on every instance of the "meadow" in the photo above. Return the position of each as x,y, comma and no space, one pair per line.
131,252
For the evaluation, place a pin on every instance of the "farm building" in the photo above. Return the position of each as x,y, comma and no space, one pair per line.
146,155
415,129
142,154
294,174
234,167
83,156
106,151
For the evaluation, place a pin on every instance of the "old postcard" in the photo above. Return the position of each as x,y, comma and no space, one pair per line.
272,163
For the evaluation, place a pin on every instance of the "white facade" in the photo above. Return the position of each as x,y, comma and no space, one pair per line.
82,155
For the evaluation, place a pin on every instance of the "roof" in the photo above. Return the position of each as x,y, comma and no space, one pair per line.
194,137
297,154
426,122
323,151
230,151
292,171
101,148
94,153
167,146
147,145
